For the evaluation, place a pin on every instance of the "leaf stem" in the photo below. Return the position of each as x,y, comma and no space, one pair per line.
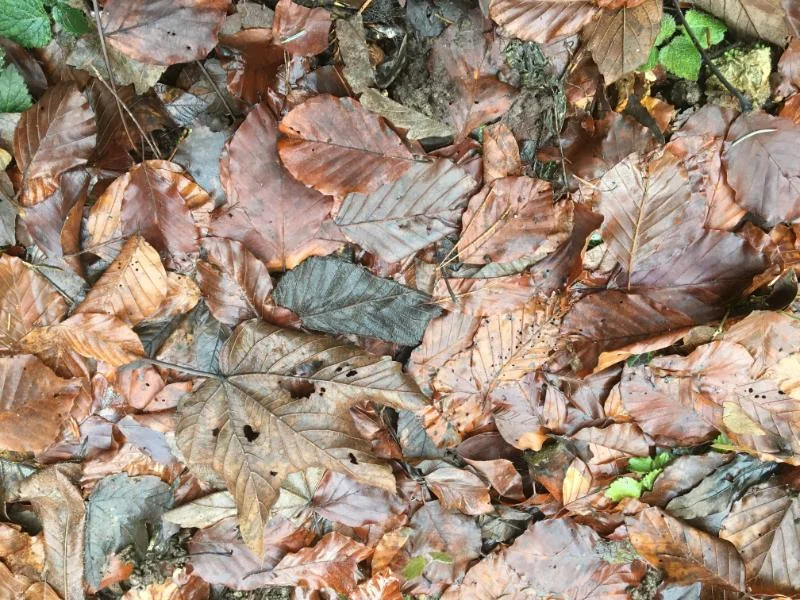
182,368
744,103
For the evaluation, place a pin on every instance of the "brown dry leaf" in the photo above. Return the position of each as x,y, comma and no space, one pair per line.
331,563
761,19
621,39
577,481
541,21
459,490
34,403
642,203
27,301
132,287
399,219
253,64
301,30
500,153
762,166
379,587
163,32
91,335
514,219
236,285
763,526
53,136
337,147
157,201
685,554
262,418
554,558
505,348
60,508
768,336
276,217
614,441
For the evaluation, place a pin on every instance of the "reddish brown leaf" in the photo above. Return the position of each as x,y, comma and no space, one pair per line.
163,32
53,136
331,563
27,301
542,20
686,555
513,220
34,403
459,490
154,200
621,39
338,147
277,218
253,65
344,500
500,153
301,30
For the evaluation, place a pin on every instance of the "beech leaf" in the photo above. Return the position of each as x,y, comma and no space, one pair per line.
347,298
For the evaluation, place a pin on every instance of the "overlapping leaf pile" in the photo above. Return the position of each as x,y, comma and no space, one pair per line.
393,302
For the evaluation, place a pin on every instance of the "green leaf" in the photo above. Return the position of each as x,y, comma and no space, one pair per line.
414,567
442,557
662,460
71,19
652,60
335,296
649,479
668,28
25,22
640,464
624,487
709,30
681,58
14,96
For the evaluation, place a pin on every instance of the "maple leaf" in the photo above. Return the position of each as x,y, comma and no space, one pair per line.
280,405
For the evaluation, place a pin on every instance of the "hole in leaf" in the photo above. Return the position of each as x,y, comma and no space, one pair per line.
215,431
351,373
273,473
250,433
298,389
353,459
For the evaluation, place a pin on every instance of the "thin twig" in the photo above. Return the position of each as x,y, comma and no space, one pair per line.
107,62
744,103
210,79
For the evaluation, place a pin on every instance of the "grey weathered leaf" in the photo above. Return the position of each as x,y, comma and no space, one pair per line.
358,70
419,126
339,297
400,218
118,511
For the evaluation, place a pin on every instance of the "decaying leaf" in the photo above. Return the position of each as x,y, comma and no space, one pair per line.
262,420
349,299
542,20
763,19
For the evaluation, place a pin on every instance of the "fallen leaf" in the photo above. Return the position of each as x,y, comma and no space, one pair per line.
132,287
686,555
763,525
226,424
117,510
275,216
35,403
337,147
500,153
417,125
53,136
398,219
253,64
763,19
59,507
542,21
349,299
622,38
27,301
460,490
301,30
163,32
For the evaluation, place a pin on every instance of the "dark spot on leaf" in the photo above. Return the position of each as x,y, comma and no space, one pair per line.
353,458
250,433
215,431
351,373
298,389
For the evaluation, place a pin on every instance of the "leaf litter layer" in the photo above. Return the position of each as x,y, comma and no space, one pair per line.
387,301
